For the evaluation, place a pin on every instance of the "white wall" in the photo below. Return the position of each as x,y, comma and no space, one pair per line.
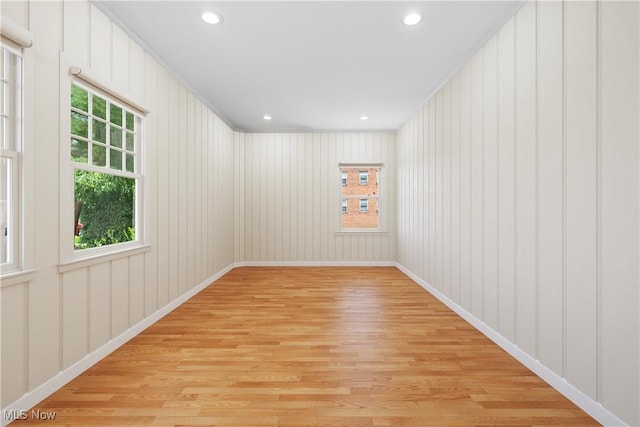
518,193
66,313
288,205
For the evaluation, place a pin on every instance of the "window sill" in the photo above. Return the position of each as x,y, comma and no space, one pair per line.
16,277
100,258
376,232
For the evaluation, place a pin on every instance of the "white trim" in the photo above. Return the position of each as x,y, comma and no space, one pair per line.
16,33
98,258
34,397
314,264
16,277
584,402
87,77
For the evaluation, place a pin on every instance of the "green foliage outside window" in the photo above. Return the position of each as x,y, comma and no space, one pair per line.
104,204
105,207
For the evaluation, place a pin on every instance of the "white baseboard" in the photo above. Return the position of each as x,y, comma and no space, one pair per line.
315,264
34,397
587,404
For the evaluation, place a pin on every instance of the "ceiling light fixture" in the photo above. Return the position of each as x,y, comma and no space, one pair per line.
211,18
412,19
266,117
363,118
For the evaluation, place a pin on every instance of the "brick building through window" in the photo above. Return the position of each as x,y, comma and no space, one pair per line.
360,195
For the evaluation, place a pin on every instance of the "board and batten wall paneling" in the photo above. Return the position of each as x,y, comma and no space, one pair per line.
73,312
540,187
619,135
289,203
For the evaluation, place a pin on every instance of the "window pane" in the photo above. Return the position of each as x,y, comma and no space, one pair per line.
99,155
364,178
115,159
99,131
130,163
116,137
79,98
115,115
130,144
130,121
104,211
99,107
79,124
360,198
5,211
79,151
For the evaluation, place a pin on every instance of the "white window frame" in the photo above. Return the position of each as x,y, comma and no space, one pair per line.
345,206
344,178
13,129
69,256
379,196
364,209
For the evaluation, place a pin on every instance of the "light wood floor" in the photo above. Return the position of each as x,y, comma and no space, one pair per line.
311,346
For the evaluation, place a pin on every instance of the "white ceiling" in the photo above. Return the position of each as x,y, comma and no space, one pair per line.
312,65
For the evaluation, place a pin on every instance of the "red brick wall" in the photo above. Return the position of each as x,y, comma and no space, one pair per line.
354,218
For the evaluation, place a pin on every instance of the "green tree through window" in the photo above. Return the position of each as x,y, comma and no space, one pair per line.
103,153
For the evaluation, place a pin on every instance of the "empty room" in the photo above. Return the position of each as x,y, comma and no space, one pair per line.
371,213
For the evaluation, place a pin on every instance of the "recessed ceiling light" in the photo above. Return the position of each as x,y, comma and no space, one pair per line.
211,18
266,117
364,118
412,19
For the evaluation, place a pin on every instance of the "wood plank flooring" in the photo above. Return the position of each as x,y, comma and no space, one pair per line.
310,347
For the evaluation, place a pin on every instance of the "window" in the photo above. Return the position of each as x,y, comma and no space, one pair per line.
10,158
105,150
364,177
360,198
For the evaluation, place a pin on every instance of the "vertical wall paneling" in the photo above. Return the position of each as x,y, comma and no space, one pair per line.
154,210
183,144
580,198
525,134
14,341
45,328
490,183
99,305
136,289
550,173
432,190
75,311
119,296
477,185
164,190
618,54
506,181
76,42
455,188
120,64
465,188
309,203
100,44
446,189
74,317
438,179
189,190
542,204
